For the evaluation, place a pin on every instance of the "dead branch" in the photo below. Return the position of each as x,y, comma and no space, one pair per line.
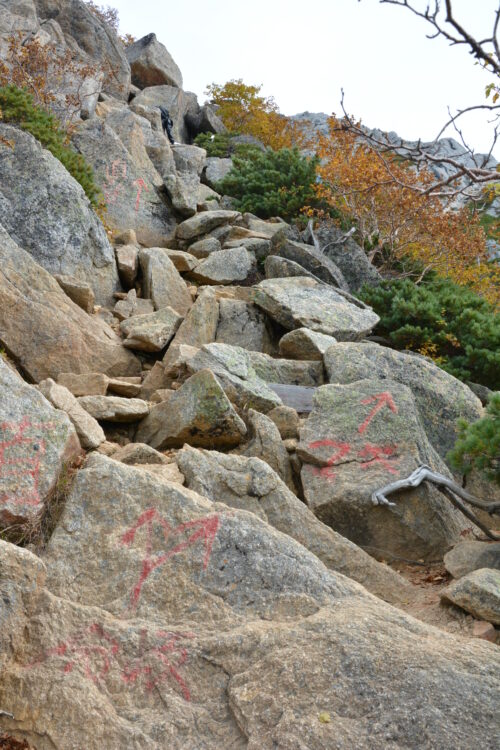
452,490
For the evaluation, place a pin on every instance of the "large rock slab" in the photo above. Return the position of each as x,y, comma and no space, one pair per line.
468,556
441,399
89,33
313,261
233,369
359,438
36,443
162,282
44,331
226,266
151,64
478,593
50,216
131,185
89,431
165,599
249,483
348,256
203,223
305,303
198,413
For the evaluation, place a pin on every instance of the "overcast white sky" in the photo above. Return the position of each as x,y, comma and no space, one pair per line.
305,51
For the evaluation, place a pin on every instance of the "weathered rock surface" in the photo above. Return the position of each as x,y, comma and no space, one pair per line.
224,617
282,268
478,593
233,369
441,399
198,413
131,185
305,303
286,420
89,431
36,442
50,216
359,438
86,384
139,453
183,261
189,159
44,331
127,260
114,408
203,248
203,223
132,306
468,556
303,343
250,484
215,170
162,281
182,106
182,189
151,333
151,64
243,324
224,267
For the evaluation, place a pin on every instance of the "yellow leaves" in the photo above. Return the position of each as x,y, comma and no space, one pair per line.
242,110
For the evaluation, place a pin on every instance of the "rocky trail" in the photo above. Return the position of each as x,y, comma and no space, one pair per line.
193,418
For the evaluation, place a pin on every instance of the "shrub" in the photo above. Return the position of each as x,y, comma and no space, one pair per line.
478,444
17,107
271,183
451,324
215,145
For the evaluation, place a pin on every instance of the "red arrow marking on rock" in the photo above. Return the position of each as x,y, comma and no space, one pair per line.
381,400
140,185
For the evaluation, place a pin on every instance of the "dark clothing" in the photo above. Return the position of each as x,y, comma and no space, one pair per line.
167,123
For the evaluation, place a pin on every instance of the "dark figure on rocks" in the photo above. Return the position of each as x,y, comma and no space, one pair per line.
167,124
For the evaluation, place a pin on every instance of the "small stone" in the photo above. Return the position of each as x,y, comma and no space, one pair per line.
203,223
128,237
305,344
162,394
286,420
291,444
84,384
151,333
139,453
79,291
87,428
478,593
324,717
203,248
128,387
182,261
127,260
162,281
468,556
108,448
484,630
114,408
224,267
132,305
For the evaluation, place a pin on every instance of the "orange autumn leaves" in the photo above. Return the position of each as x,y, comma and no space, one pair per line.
379,195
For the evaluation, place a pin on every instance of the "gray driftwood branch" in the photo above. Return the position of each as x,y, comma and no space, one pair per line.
453,491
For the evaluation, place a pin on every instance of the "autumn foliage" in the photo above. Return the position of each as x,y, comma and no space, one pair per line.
394,223
243,110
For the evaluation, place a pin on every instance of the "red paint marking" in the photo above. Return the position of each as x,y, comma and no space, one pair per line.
381,400
327,471
140,186
114,180
380,454
204,529
20,457
166,659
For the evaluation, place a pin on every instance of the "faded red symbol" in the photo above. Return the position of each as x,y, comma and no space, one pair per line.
378,454
160,657
342,450
380,400
115,175
20,459
141,185
160,661
203,529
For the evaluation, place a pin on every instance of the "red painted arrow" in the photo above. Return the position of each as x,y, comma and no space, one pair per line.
140,185
380,400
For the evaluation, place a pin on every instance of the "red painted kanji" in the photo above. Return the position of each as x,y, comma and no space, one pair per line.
378,454
93,649
203,529
380,400
20,459
114,180
159,661
342,450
